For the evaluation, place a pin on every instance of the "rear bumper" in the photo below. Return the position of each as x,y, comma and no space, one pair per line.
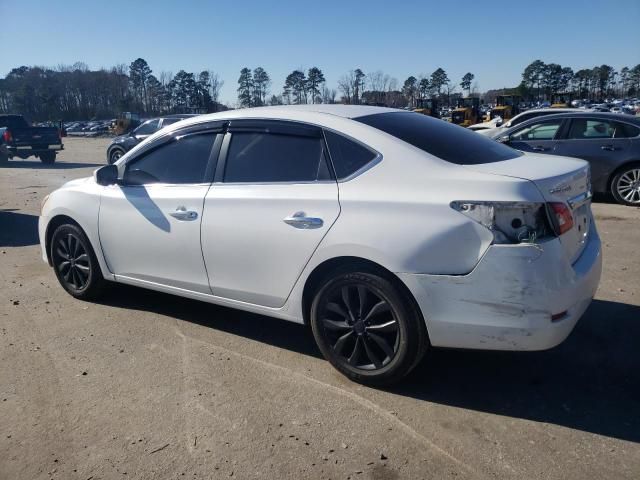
507,301
24,151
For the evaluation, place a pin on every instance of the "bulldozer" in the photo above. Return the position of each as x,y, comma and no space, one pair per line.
507,107
467,112
126,122
561,100
427,106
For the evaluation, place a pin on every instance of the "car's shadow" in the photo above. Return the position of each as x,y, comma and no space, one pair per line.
17,229
36,164
589,383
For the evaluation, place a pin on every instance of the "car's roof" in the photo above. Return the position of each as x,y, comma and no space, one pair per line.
293,112
581,113
549,109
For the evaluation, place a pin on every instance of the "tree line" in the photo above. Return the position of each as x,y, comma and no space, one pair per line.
76,92
540,81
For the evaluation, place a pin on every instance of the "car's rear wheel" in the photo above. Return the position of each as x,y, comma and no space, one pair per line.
48,157
75,264
625,185
4,159
367,327
115,155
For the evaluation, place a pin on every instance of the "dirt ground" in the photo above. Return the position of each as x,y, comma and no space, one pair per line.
146,385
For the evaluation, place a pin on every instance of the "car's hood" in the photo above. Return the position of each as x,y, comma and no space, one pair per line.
76,182
119,139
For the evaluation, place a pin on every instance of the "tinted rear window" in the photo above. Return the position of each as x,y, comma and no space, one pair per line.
442,139
13,122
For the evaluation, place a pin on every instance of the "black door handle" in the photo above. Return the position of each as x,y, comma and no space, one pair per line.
609,148
539,149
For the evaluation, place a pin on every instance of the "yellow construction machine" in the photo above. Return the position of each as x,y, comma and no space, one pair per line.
467,112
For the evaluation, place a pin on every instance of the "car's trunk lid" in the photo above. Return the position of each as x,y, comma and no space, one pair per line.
559,179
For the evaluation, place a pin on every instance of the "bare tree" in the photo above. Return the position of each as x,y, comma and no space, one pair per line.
215,85
345,85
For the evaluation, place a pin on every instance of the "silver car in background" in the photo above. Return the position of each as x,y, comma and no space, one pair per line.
609,142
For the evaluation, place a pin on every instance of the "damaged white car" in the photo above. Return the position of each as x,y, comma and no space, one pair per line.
388,232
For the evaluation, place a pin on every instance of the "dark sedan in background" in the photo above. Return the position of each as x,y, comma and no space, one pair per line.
609,142
122,144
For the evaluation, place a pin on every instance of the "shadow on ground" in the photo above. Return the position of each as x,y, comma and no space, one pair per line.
55,166
589,383
18,229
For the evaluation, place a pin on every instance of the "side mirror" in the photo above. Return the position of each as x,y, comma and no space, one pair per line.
107,175
503,139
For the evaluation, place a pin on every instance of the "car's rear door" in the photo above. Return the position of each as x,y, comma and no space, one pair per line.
149,223
272,202
602,142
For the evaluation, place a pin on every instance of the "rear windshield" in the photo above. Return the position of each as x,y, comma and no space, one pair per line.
11,121
442,139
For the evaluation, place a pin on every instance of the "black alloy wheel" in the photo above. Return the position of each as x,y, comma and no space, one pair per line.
74,262
361,327
368,328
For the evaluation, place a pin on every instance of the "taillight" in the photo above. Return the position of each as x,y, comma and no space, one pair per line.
561,217
509,222
6,136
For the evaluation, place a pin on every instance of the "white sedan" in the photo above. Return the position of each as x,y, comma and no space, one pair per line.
389,232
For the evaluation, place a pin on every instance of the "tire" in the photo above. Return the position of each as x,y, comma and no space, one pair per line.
48,158
75,263
115,155
4,159
375,342
625,185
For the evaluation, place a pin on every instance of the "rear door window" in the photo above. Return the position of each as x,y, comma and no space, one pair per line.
444,140
624,130
260,157
585,129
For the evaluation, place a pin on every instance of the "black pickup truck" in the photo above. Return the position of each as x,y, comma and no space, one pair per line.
18,139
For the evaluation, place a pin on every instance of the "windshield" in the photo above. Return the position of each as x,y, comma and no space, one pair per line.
441,139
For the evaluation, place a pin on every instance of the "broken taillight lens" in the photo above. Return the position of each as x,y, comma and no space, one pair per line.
510,222
561,217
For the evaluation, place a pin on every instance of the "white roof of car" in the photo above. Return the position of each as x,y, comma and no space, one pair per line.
292,112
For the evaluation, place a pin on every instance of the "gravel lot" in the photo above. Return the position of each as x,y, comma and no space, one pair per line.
153,386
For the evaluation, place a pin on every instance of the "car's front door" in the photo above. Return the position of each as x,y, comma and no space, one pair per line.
537,136
149,223
603,143
273,201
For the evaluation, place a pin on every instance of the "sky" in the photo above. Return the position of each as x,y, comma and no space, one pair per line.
493,39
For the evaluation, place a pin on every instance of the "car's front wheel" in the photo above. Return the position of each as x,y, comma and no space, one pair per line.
75,264
625,185
367,327
115,155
